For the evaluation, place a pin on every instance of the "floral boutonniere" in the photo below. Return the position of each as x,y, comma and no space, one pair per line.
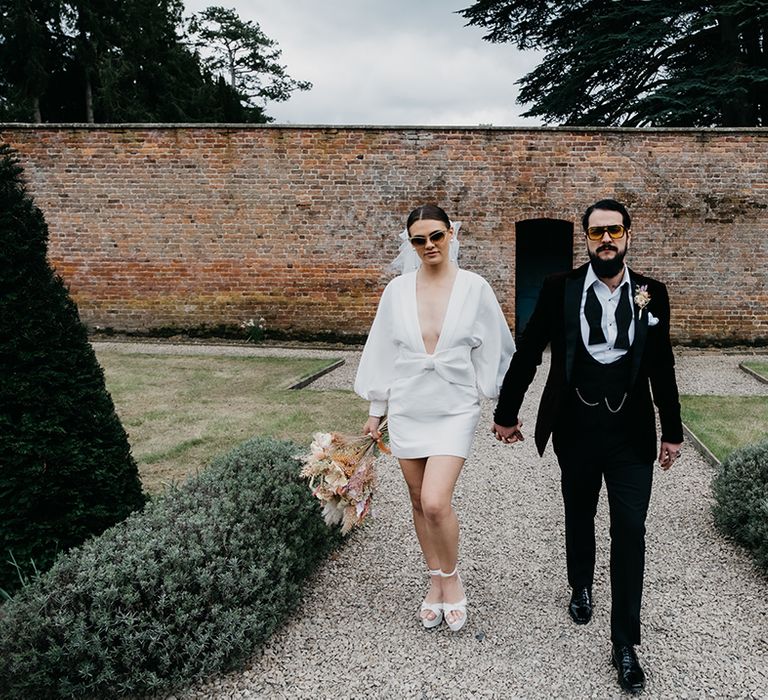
642,297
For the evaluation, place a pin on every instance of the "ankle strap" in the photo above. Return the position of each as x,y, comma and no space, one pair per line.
453,573
435,572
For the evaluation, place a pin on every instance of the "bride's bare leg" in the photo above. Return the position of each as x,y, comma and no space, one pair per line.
413,471
440,475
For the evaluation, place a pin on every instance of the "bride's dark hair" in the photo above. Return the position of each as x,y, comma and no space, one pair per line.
428,211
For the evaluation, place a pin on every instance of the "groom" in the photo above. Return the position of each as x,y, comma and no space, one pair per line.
608,327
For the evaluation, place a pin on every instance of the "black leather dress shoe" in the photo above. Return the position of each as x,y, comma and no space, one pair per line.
631,676
580,607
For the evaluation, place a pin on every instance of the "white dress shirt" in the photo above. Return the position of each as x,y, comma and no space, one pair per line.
605,353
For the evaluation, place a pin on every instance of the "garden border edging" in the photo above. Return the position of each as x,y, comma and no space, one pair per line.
703,450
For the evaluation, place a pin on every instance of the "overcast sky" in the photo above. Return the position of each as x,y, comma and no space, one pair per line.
387,62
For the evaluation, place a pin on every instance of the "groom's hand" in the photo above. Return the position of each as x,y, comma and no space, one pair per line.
668,453
508,434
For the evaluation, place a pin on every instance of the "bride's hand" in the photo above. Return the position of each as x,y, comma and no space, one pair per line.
508,434
371,427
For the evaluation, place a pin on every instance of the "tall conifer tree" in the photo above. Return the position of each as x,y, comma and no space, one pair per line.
66,470
133,61
650,63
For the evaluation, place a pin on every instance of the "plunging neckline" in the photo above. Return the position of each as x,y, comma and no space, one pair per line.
445,315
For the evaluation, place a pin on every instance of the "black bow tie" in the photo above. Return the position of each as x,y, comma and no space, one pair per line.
593,311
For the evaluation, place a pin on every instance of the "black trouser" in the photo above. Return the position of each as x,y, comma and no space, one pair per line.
585,460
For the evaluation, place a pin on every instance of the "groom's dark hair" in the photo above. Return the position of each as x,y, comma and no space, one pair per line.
608,205
428,211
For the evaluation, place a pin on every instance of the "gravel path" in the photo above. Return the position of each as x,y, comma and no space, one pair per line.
705,609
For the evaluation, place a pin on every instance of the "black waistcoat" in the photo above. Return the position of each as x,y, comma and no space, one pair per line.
600,392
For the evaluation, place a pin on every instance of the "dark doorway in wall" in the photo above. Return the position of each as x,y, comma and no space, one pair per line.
542,247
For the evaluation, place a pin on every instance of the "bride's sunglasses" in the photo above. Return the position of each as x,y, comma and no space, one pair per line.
435,237
596,233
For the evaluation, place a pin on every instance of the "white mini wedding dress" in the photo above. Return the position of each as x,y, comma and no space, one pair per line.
432,400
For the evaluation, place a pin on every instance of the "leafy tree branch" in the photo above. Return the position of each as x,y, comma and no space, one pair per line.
656,62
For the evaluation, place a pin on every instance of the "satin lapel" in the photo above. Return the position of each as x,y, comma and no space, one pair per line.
574,287
641,333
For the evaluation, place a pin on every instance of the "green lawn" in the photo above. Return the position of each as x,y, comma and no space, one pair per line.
760,367
725,423
182,411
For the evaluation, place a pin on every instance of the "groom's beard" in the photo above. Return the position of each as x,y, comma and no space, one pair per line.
607,268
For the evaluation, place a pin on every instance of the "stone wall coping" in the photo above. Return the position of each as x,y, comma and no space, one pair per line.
761,131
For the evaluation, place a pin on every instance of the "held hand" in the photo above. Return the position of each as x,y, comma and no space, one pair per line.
508,435
668,453
371,427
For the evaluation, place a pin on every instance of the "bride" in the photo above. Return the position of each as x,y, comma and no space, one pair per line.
438,341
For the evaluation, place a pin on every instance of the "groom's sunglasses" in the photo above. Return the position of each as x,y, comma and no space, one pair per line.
596,233
435,237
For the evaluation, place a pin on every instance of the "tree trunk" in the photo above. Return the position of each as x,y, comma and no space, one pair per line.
762,62
88,99
232,60
752,52
37,115
736,111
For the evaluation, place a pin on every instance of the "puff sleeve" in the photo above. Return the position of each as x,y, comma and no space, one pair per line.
376,370
492,356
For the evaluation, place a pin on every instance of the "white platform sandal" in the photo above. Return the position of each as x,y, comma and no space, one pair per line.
436,608
461,606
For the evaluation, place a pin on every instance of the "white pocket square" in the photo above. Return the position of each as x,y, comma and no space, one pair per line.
652,320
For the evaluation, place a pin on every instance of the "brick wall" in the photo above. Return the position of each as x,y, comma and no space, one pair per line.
189,226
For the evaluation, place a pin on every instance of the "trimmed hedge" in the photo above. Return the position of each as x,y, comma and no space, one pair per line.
66,471
187,588
741,491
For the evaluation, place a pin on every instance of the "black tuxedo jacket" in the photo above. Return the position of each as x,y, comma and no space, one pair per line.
556,321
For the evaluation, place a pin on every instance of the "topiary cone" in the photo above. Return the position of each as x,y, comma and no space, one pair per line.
66,470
